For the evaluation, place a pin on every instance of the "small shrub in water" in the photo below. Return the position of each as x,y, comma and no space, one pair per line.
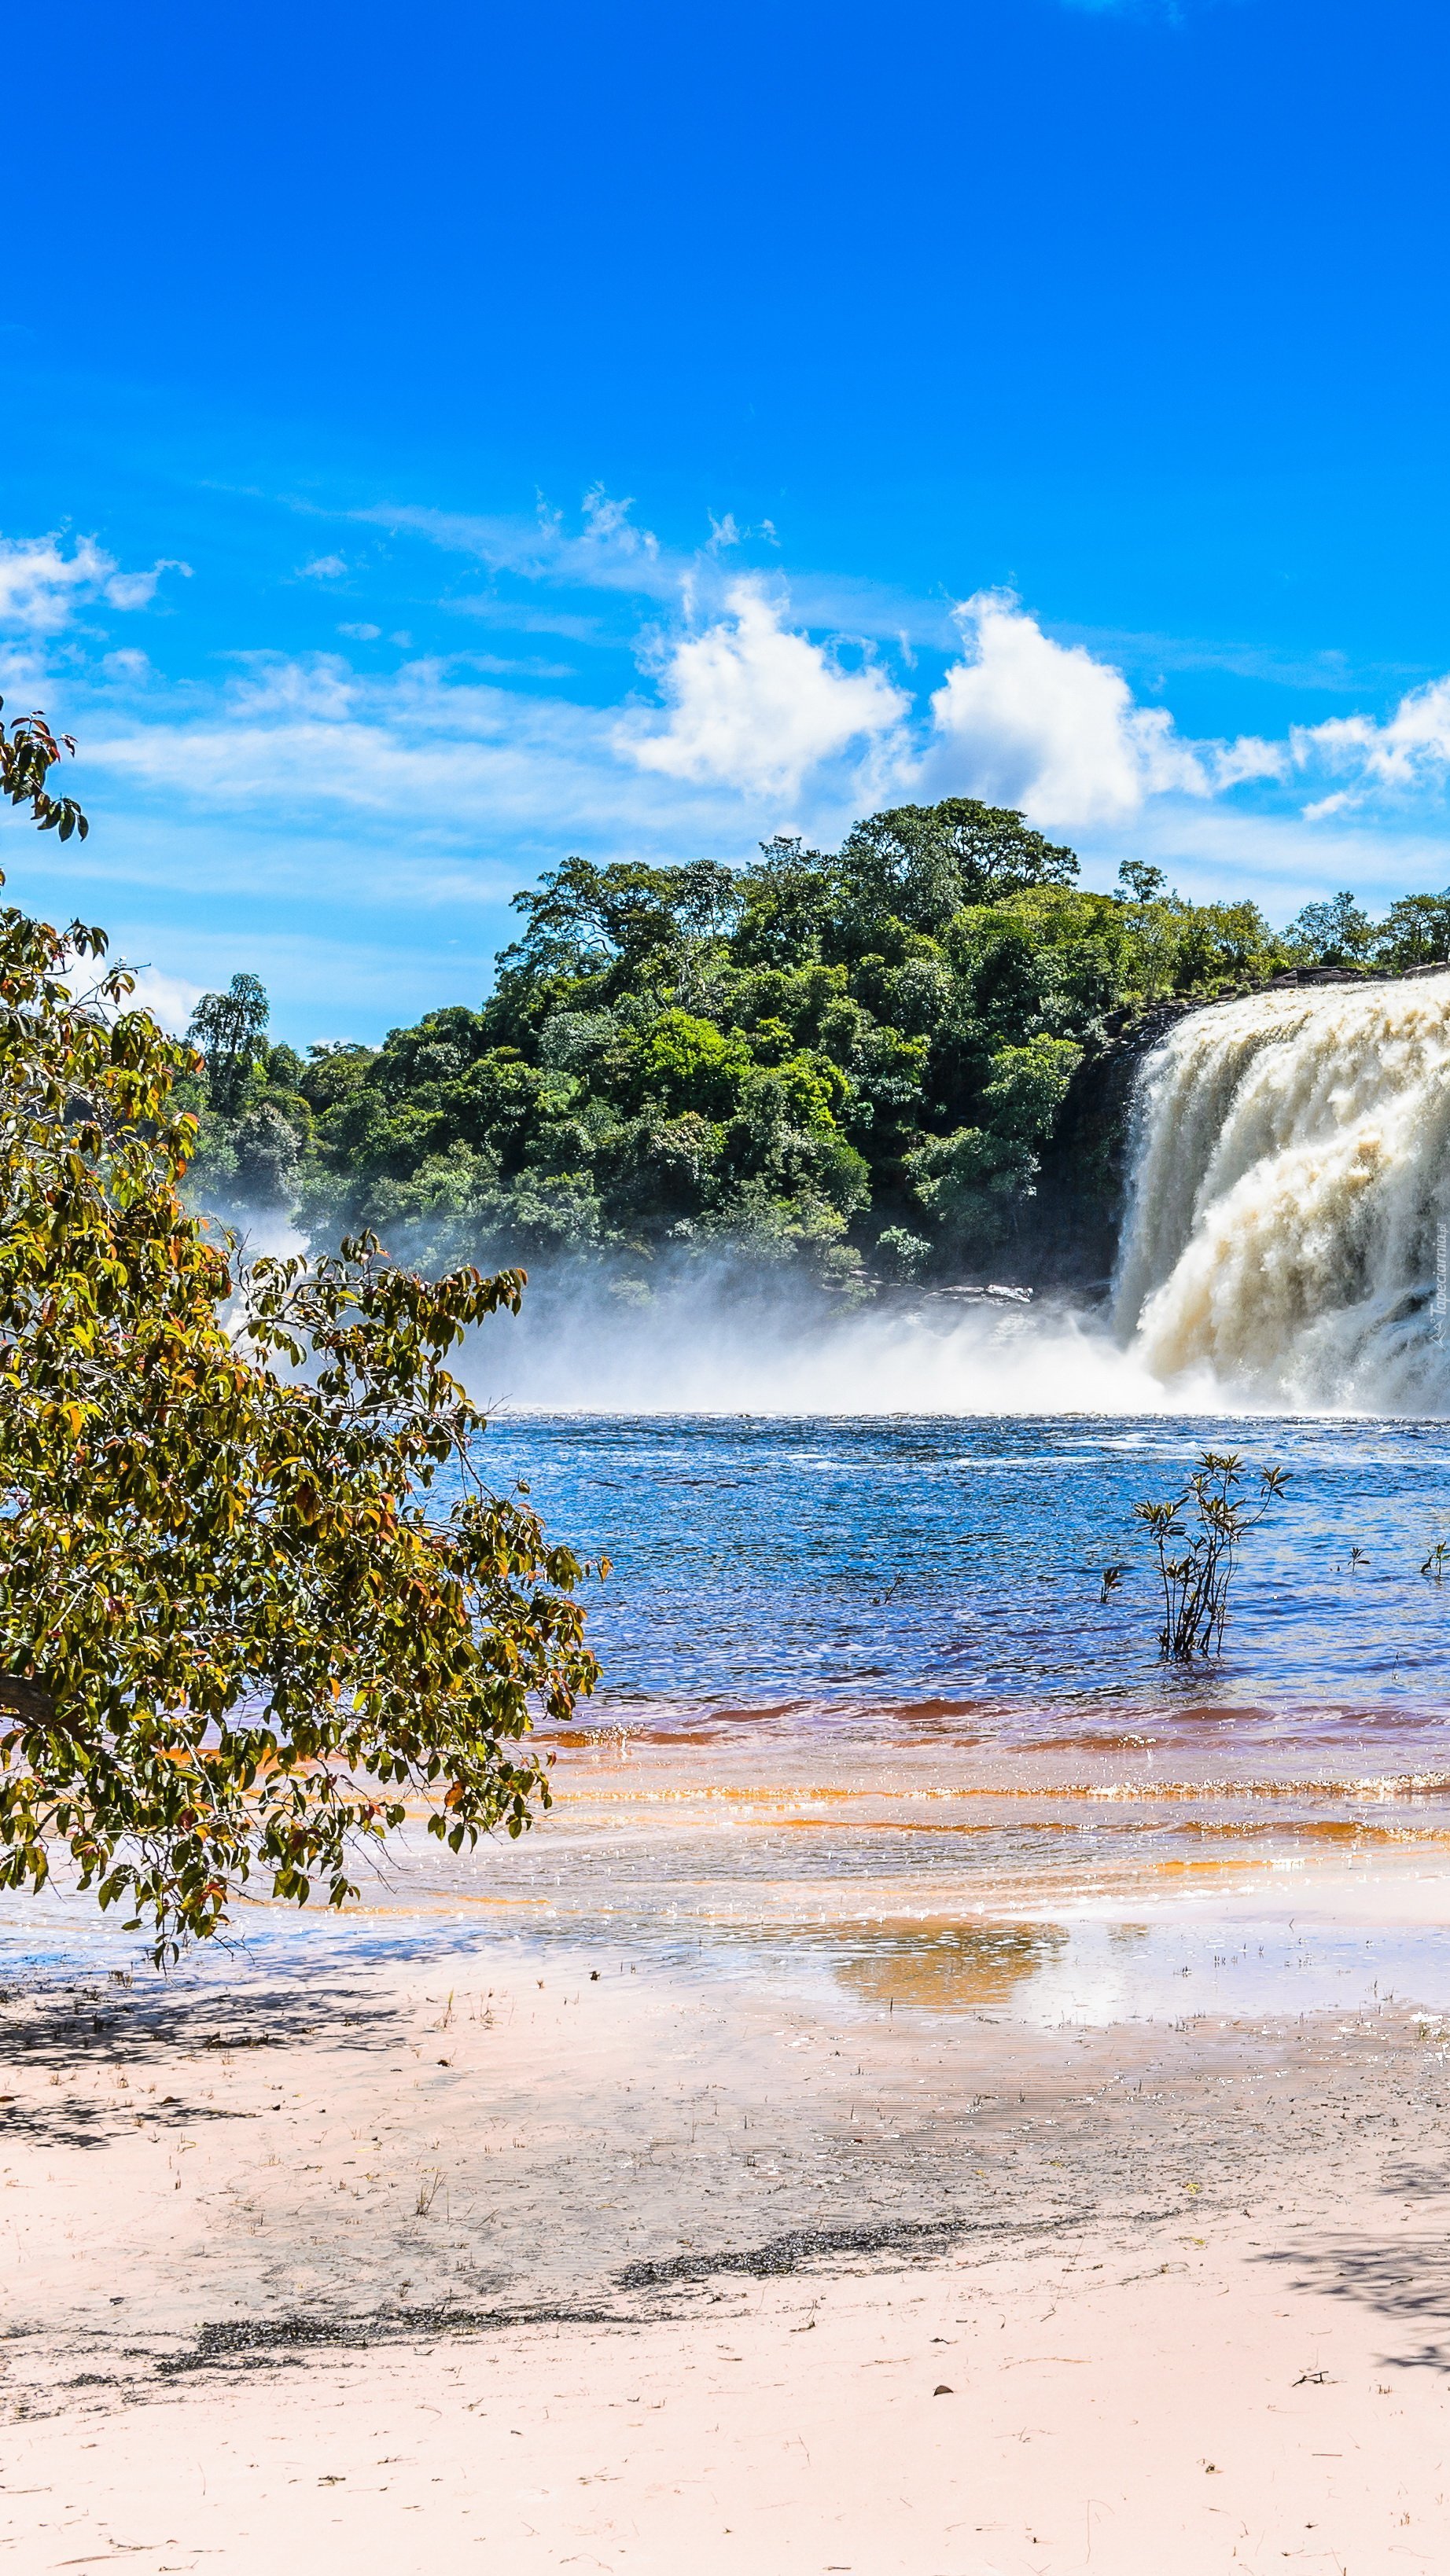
1197,1537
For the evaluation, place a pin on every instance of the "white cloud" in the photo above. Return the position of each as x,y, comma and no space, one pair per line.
756,706
525,619
614,559
315,775
609,553
505,666
609,524
323,568
1237,764
1021,716
431,752
761,729
1024,721
433,787
128,667
1405,756
138,589
41,586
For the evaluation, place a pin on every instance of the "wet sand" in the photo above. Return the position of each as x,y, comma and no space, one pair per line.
382,2253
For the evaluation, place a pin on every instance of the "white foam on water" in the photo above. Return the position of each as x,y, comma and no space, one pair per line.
701,1348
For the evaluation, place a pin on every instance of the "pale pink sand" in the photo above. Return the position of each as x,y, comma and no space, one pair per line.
1185,2407
1198,2318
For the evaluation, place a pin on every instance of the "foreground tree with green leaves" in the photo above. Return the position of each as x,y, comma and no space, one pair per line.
256,1604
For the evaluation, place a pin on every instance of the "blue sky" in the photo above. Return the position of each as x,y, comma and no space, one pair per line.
435,441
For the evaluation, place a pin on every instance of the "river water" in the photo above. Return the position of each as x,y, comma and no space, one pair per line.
840,1577
864,1712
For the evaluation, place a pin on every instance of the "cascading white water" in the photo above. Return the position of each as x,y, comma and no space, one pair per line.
1289,1178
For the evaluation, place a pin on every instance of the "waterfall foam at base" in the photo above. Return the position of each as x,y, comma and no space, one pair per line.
1288,1183
699,1348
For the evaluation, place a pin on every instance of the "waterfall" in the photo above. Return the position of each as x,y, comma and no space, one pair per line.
1289,1186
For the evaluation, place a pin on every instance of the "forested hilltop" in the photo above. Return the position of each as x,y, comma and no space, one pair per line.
853,1062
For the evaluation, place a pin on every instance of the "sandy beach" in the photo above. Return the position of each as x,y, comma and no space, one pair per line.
331,2256
870,2146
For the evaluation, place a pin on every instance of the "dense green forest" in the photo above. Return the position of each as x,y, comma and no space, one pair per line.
851,1061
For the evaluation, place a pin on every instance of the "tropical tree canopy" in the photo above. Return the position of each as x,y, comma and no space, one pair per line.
256,1604
856,1062
227,1028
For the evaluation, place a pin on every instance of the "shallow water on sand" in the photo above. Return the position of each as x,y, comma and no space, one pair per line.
862,1705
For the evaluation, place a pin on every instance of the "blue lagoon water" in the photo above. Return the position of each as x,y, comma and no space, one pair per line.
843,1576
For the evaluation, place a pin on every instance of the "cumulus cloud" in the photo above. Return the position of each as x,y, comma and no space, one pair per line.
758,705
755,705
41,585
1022,720
756,714
1026,721
760,716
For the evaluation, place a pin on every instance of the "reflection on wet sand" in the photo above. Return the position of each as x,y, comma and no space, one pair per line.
960,1967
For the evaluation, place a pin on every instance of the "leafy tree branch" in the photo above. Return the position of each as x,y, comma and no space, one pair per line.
256,1603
